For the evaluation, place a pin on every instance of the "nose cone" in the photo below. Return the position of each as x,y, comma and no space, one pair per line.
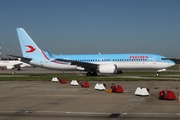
171,63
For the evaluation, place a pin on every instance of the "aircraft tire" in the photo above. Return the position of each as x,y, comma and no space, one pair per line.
90,73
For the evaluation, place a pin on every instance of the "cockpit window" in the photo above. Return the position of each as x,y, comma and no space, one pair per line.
164,58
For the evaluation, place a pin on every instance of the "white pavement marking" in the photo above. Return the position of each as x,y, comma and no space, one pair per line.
88,113
60,112
69,112
150,114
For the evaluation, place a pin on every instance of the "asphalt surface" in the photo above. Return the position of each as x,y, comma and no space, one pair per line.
46,100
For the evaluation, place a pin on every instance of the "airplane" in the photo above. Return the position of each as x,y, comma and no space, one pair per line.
91,63
12,64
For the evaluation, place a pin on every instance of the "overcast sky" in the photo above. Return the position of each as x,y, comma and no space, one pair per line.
92,26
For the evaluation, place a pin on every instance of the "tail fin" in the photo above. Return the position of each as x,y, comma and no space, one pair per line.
28,47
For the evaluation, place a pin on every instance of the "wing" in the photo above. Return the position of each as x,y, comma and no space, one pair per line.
17,65
85,65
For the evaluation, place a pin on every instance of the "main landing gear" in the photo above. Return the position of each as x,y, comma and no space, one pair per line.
91,73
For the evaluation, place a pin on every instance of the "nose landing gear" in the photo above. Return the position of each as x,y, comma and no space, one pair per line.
157,74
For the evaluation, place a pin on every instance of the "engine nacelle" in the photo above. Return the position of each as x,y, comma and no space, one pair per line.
108,68
22,65
10,67
161,70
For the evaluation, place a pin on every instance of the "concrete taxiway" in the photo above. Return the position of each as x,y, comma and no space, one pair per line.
44,100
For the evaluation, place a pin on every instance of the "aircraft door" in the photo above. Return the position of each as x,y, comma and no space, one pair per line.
154,59
41,63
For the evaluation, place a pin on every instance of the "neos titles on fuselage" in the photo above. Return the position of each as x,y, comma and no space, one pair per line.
123,61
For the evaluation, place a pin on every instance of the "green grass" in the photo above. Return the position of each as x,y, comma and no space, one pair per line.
174,73
68,76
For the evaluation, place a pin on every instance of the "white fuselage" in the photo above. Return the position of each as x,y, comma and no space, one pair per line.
12,64
126,65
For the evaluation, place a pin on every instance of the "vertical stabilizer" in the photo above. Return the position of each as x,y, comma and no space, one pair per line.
28,47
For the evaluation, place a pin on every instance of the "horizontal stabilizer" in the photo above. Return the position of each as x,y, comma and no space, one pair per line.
23,59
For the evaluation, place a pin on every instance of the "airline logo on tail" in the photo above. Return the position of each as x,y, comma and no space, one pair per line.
31,49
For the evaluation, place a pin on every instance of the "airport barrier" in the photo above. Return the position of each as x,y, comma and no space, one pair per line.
62,81
74,83
167,95
55,79
142,91
117,89
85,84
99,86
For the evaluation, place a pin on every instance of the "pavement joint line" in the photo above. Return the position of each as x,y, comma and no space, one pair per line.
130,105
151,85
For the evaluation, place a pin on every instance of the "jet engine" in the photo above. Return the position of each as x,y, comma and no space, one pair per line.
10,67
107,68
22,65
